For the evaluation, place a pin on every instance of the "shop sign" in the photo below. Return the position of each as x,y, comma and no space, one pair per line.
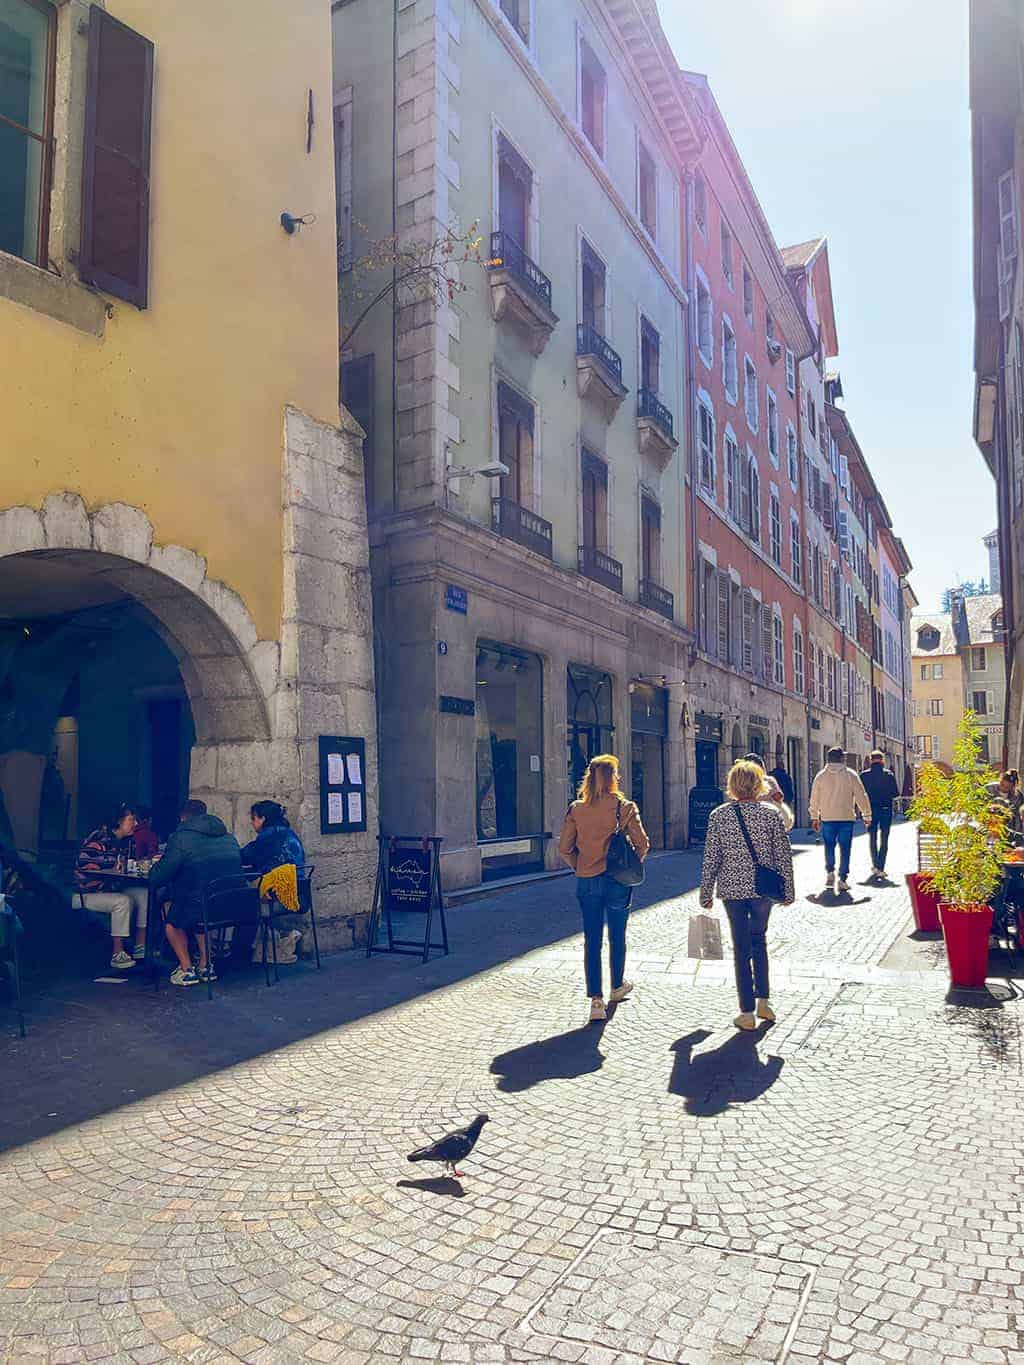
456,599
703,800
648,710
458,706
708,727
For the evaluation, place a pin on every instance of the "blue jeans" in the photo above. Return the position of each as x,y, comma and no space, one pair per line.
878,834
602,899
748,920
837,832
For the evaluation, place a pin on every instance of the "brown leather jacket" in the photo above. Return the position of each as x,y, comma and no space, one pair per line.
588,829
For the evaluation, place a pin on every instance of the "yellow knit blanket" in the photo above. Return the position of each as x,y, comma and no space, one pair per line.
283,881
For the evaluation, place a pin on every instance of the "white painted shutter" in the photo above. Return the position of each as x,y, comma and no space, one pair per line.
1008,215
724,584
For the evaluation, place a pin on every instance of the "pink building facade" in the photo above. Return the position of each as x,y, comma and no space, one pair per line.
748,336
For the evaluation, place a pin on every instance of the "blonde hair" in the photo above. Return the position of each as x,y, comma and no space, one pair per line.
746,781
602,776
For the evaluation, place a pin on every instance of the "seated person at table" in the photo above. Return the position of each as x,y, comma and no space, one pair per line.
146,843
99,853
276,843
199,852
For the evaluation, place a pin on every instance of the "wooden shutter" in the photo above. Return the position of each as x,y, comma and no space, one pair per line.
115,171
724,584
748,631
767,645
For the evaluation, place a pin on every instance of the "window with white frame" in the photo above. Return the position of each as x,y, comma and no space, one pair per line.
779,650
750,401
792,465
796,549
775,528
936,671
647,189
790,373
979,659
727,255
593,97
706,426
730,364
705,341
798,661
700,203
748,296
732,475
936,706
773,428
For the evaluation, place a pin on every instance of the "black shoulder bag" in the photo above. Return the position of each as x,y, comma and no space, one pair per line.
624,865
767,881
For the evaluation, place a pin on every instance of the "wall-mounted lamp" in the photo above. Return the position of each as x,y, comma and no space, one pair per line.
488,471
292,222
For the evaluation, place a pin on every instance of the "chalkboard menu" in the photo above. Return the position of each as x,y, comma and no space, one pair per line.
342,784
703,800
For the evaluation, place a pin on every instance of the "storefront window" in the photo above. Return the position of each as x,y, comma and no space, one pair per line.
589,710
509,748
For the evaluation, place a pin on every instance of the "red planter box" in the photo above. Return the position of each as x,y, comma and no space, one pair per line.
924,902
966,931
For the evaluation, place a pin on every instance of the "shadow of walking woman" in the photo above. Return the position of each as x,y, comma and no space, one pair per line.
562,1056
712,1082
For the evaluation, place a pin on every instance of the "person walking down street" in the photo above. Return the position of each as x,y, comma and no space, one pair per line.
882,789
747,823
774,795
598,812
785,782
837,797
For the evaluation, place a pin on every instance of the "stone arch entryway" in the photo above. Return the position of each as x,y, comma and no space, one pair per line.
65,572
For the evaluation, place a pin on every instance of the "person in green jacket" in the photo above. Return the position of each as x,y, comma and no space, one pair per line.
200,851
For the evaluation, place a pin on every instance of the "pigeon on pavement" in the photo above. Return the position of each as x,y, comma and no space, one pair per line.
453,1147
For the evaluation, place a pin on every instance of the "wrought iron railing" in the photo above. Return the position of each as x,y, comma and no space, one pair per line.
649,405
657,598
526,528
507,254
595,564
589,341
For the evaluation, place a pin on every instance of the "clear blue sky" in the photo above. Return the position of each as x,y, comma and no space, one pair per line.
852,119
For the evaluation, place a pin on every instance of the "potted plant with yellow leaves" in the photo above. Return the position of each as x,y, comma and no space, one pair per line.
968,843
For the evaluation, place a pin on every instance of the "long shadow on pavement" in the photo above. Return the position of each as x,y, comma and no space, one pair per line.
562,1056
714,1081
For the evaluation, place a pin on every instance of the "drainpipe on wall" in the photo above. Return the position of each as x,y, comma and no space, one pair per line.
394,267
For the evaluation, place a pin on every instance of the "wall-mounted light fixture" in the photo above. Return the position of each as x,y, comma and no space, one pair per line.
292,222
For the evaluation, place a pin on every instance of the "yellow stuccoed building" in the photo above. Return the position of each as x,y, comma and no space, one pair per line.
184,595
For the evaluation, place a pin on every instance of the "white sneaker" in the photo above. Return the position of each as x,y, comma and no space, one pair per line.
765,1011
830,881
139,952
620,992
844,885
597,1009
122,961
745,1021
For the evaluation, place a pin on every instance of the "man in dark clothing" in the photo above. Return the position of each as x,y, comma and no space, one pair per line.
198,852
882,789
785,783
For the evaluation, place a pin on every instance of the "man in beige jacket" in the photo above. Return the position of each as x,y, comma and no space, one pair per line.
837,796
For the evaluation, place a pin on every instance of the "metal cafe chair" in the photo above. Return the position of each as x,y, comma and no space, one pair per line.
229,903
273,910
10,931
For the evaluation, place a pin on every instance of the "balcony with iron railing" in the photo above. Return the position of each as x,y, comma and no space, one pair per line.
600,568
518,523
656,598
655,427
598,370
520,291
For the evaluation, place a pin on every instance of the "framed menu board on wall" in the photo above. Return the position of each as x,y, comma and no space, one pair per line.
342,784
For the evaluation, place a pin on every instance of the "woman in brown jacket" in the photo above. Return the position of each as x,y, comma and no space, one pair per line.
589,825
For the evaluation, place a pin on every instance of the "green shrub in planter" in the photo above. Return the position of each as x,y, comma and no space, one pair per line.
968,840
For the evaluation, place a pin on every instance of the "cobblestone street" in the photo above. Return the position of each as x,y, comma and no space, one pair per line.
845,1186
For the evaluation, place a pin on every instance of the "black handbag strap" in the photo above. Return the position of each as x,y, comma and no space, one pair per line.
746,836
